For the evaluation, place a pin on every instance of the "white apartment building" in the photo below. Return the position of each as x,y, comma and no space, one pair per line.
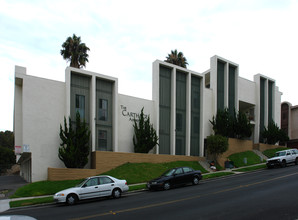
183,102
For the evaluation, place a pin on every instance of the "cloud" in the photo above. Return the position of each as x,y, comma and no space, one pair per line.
125,37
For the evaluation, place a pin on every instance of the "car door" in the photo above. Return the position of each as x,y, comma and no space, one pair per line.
106,186
293,155
90,189
178,177
188,174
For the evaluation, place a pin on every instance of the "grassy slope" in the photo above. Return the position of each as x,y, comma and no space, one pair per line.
238,158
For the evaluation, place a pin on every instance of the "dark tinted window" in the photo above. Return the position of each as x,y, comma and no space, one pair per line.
105,180
179,171
187,169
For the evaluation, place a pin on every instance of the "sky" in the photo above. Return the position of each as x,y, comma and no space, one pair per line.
126,37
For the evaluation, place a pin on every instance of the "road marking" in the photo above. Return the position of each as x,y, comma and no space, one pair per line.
181,200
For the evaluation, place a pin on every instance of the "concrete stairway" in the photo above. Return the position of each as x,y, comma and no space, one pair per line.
205,165
259,153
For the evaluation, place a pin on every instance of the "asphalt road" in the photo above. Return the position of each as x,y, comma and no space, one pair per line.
267,194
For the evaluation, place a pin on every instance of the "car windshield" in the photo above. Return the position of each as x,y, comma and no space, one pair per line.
168,172
81,183
281,153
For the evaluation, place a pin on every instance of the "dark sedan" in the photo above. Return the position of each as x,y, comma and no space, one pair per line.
175,177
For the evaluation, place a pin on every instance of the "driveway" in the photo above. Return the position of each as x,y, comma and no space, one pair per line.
9,184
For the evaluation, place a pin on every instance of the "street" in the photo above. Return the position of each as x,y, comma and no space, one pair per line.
265,194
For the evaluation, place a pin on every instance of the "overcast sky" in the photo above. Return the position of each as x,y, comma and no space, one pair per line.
125,37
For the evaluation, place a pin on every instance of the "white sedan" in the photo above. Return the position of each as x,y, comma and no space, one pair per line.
92,187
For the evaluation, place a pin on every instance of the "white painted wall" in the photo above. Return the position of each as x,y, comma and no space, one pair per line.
247,91
277,105
208,112
128,107
43,112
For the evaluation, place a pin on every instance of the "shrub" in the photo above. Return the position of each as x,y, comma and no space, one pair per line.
273,134
74,150
145,137
217,145
233,125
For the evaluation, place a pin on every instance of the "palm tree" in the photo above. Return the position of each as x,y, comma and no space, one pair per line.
75,52
176,58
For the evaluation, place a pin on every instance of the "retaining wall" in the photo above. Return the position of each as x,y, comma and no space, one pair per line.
103,161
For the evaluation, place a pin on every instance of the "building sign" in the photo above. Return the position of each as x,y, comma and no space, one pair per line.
17,149
26,148
131,115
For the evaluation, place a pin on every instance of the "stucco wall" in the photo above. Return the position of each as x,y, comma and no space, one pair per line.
104,161
262,147
128,109
43,112
247,91
294,123
235,146
208,112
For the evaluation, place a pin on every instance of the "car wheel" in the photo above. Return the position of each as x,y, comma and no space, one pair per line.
166,186
116,193
296,161
195,181
71,199
283,163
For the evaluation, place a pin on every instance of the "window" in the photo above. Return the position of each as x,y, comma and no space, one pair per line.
103,109
187,169
196,125
105,180
102,139
80,105
179,171
179,122
196,100
92,182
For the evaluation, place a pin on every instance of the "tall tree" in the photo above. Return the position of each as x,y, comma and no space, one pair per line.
75,52
145,137
232,125
7,139
74,150
176,58
273,134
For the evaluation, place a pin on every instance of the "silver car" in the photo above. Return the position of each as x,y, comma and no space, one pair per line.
92,187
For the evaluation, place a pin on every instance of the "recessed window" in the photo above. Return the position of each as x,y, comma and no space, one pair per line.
179,122
196,125
80,105
102,139
103,109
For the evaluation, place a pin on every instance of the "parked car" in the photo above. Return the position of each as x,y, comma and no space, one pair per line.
92,187
175,177
282,158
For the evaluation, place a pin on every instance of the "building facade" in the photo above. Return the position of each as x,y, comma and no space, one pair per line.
183,103
289,123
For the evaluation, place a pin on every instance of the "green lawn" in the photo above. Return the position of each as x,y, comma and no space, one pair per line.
132,172
246,169
270,152
29,202
251,157
44,188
